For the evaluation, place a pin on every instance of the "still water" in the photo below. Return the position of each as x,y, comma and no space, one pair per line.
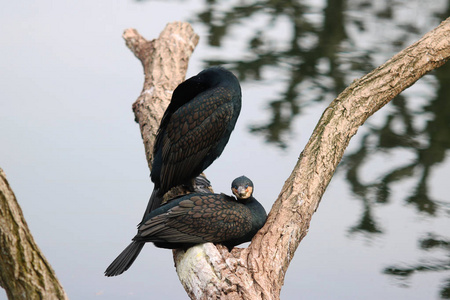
74,156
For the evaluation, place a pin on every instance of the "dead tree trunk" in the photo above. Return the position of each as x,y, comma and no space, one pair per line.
257,272
24,271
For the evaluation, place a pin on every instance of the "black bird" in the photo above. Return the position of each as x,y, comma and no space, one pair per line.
197,218
194,130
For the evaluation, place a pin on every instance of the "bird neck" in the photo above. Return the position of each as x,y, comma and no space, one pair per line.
246,201
254,206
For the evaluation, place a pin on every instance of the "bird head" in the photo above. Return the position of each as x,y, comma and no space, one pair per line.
242,187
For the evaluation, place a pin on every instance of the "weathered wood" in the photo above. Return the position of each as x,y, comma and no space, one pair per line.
257,272
24,271
165,61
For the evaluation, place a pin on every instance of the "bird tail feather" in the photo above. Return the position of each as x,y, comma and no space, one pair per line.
125,259
153,203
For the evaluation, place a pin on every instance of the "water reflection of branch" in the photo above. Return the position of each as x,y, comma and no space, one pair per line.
431,242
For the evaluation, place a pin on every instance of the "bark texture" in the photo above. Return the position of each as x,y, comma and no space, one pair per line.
24,271
165,61
257,272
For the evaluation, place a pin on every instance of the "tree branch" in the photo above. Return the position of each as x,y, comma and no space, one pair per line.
257,272
25,273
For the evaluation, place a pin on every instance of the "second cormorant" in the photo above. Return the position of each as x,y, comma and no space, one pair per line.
197,218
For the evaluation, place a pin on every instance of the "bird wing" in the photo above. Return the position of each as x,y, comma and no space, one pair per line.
199,219
192,132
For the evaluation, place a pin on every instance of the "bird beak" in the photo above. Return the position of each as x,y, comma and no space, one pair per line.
242,191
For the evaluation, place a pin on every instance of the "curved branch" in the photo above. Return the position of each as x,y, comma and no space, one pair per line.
25,273
209,272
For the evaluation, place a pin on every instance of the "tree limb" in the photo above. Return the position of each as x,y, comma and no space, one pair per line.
25,273
165,61
257,272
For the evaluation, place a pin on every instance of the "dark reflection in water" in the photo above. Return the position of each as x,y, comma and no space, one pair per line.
323,50
431,242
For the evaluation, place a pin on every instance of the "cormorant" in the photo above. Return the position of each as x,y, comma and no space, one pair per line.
197,218
194,130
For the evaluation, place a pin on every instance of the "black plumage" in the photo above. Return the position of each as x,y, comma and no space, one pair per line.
194,130
197,218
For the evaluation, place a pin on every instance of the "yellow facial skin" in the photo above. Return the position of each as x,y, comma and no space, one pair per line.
242,193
